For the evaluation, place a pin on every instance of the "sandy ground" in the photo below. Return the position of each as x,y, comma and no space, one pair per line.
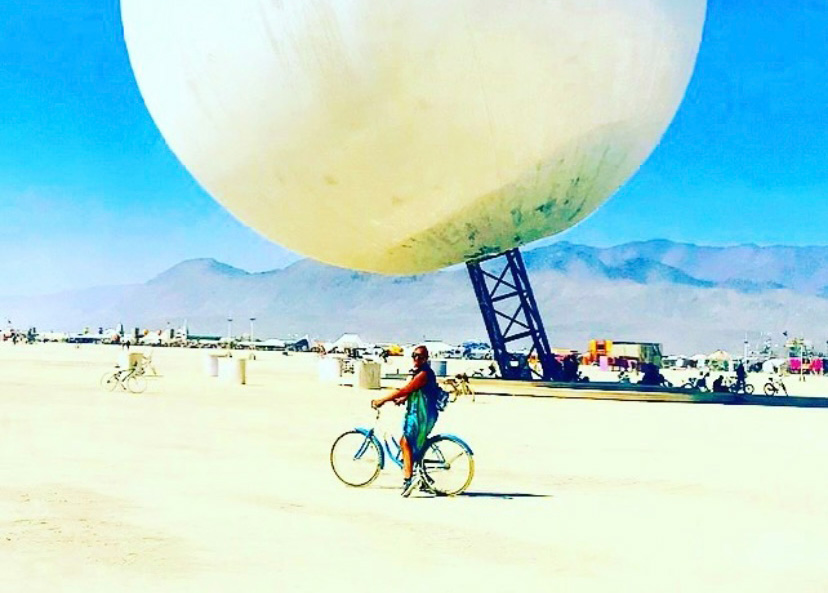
198,485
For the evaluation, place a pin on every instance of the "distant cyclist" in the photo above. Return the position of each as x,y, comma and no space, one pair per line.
420,394
741,378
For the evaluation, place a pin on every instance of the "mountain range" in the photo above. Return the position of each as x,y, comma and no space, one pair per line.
690,298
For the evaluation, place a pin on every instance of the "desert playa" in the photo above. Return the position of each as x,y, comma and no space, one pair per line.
200,485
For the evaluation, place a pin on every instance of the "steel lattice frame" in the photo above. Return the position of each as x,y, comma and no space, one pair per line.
511,314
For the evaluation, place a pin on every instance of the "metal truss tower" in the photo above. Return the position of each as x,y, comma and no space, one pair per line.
511,316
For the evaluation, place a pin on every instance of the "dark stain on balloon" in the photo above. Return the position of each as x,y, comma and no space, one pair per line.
547,207
471,232
517,216
331,180
574,213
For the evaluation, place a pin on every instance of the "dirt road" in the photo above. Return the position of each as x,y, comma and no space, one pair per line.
198,485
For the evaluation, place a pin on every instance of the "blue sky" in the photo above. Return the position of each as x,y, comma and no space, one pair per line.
90,194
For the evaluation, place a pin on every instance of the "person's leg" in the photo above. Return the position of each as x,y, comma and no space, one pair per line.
406,455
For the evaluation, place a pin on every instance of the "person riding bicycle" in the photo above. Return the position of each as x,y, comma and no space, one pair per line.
420,395
741,378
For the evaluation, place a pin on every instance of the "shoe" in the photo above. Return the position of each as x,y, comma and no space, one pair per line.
409,485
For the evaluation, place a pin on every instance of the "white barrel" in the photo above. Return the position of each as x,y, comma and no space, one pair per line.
367,375
211,365
440,367
233,370
329,370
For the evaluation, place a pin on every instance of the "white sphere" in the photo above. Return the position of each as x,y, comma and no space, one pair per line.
401,136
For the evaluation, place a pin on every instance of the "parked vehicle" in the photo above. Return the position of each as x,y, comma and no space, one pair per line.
477,353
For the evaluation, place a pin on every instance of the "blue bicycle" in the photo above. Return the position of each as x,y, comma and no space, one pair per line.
445,469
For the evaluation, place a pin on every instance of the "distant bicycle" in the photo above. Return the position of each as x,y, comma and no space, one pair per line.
459,385
446,467
489,372
697,384
131,379
741,388
581,378
774,386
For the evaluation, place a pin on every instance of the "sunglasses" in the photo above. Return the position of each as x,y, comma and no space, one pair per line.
419,356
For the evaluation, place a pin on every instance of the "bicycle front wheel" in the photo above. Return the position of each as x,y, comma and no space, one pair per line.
448,465
356,458
136,384
749,389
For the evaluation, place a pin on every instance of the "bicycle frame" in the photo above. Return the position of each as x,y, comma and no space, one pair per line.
395,455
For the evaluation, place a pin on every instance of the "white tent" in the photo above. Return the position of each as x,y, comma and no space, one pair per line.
720,355
349,342
773,365
437,348
720,360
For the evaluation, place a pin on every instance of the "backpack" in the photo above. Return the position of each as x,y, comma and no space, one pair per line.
442,399
435,392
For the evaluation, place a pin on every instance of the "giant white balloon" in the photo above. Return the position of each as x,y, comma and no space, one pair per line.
402,136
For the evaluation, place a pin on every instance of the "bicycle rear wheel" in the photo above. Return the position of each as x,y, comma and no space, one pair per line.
136,384
356,458
770,389
448,465
109,380
749,389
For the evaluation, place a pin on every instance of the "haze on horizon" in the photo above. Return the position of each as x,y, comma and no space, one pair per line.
90,194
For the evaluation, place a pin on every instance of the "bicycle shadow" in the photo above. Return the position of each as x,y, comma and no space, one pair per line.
504,495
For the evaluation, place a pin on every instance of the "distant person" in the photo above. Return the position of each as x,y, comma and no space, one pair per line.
701,384
719,386
555,368
651,376
420,396
741,377
570,369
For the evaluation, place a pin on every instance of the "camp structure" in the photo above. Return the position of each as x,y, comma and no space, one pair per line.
719,361
620,353
436,348
348,343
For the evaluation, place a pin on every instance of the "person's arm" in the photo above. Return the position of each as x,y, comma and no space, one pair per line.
398,396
